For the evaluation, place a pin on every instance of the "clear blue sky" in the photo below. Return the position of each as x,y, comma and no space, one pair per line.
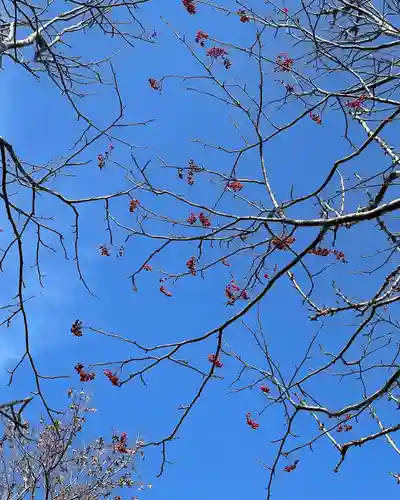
215,457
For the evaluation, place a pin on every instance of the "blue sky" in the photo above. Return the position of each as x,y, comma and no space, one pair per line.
216,454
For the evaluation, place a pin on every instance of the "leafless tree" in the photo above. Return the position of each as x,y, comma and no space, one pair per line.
46,40
272,227
277,229
50,461
46,27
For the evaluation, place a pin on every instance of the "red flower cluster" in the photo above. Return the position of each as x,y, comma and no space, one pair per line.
291,467
191,265
250,422
316,118
76,328
244,18
133,204
190,6
205,221
192,219
285,10
233,286
344,428
216,52
235,185
284,63
201,37
112,377
101,162
323,252
340,256
234,292
165,292
120,443
155,84
192,169
147,267
283,243
84,376
356,104
265,389
215,361
101,158
104,251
